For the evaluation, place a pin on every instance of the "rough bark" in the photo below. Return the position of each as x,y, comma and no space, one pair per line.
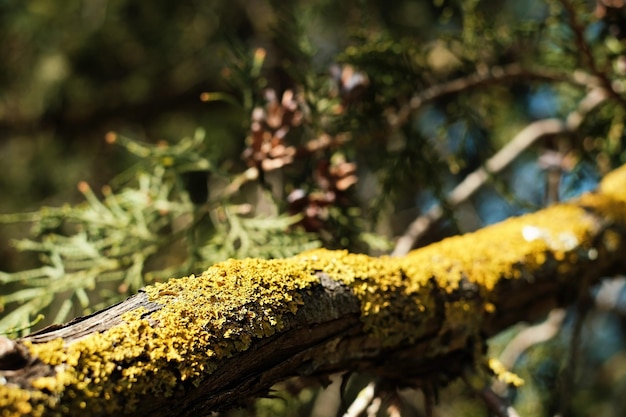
199,344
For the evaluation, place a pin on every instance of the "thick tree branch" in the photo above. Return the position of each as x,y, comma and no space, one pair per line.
199,344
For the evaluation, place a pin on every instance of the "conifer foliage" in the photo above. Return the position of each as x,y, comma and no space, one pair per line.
366,126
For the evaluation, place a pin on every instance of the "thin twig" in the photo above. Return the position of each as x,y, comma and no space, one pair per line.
495,75
362,400
569,374
522,141
608,296
525,339
374,407
531,336
498,406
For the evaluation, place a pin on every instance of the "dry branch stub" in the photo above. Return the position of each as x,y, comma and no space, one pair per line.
202,343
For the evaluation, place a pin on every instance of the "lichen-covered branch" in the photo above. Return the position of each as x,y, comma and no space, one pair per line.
197,344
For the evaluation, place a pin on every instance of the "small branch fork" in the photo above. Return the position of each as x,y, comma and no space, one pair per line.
503,158
600,88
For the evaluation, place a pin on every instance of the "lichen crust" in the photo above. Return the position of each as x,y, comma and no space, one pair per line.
391,310
206,319
203,320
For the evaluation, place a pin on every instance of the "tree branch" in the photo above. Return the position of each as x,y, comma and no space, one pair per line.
200,344
472,183
492,76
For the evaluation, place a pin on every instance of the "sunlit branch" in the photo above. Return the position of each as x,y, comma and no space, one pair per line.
522,141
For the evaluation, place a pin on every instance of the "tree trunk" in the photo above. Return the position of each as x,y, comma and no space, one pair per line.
200,344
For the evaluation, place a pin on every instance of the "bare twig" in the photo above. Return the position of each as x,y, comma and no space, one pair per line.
522,141
362,400
495,75
569,374
374,407
498,406
531,336
608,295
393,411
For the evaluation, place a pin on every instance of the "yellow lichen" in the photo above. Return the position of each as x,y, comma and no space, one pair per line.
503,374
208,318
484,257
203,320
392,308
15,402
613,184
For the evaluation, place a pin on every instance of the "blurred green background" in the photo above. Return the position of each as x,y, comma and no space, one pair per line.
72,71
